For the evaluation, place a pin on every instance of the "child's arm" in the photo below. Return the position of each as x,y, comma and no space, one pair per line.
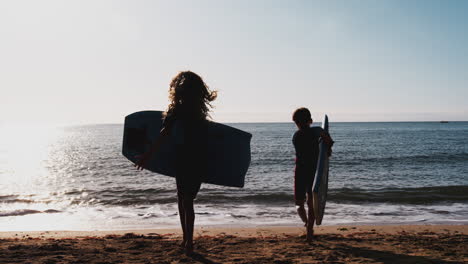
143,159
328,140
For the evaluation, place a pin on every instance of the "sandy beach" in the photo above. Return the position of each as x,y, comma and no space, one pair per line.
333,244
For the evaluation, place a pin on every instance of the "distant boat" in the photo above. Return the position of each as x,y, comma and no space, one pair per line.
444,121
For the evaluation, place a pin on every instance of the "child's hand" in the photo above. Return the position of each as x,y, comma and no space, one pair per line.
142,160
329,141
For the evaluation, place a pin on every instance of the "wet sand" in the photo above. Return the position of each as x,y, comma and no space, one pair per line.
332,244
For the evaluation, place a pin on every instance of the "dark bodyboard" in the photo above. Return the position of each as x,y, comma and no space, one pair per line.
228,149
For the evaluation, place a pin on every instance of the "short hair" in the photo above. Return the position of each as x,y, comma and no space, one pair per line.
301,116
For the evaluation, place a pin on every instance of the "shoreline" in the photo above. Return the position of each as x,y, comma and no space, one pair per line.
247,231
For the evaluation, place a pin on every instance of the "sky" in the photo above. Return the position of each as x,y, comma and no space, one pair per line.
87,62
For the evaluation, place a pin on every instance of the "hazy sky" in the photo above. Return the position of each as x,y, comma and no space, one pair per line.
97,61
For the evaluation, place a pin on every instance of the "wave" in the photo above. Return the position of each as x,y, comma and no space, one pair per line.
421,195
6,199
21,212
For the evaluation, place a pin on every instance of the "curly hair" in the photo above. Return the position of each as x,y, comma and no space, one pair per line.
190,96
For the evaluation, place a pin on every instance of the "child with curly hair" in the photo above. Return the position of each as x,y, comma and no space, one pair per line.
186,119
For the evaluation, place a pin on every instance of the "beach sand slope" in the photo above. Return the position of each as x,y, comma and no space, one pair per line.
333,244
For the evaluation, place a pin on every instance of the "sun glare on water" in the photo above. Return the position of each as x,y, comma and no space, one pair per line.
27,183
24,151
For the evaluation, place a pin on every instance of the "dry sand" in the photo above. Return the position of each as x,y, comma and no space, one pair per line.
333,244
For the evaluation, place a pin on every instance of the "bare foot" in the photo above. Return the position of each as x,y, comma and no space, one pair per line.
310,235
188,248
182,245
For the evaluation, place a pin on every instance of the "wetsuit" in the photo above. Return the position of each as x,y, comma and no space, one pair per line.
306,144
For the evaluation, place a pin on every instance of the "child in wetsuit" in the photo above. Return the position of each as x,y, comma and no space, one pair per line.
306,143
186,120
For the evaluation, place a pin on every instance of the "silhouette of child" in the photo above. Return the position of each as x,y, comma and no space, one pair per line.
306,143
186,120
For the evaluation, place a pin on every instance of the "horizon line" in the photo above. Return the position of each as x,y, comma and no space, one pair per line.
272,122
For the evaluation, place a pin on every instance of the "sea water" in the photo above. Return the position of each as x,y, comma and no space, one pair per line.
75,178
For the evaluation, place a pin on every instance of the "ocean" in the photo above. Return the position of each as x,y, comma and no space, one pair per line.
75,178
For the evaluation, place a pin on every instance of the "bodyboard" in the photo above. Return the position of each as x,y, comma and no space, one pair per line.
228,148
320,186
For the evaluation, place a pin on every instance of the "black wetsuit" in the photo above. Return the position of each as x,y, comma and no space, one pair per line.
306,144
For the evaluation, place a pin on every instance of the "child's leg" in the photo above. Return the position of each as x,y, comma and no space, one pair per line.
300,195
189,223
311,218
182,221
187,189
302,212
